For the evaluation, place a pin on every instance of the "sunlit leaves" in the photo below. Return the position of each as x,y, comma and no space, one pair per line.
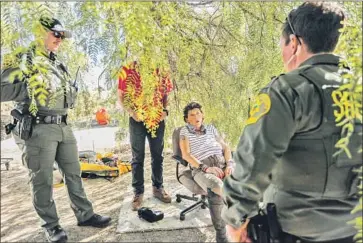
348,98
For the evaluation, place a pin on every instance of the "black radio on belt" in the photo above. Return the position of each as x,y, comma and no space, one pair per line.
150,215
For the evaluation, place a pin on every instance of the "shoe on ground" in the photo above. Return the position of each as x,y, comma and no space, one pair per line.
97,221
161,195
56,234
137,201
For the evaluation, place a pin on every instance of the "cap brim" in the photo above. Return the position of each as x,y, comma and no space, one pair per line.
67,33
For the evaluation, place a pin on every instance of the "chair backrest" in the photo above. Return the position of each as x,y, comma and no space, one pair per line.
175,141
177,154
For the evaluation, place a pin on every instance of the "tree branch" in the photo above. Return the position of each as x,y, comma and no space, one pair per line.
202,3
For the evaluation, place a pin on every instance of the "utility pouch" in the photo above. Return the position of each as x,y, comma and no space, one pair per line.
257,229
265,227
150,215
9,127
25,126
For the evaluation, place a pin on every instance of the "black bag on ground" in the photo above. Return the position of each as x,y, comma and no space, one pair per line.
150,215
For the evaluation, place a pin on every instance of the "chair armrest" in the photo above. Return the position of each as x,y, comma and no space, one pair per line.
180,160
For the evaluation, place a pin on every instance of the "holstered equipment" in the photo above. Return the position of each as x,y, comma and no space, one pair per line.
264,227
23,123
150,215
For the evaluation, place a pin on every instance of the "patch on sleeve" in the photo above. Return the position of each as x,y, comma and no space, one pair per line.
260,108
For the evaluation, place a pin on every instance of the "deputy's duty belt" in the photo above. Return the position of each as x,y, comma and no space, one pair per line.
57,119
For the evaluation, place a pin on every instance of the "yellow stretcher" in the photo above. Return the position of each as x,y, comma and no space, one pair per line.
89,169
105,170
105,165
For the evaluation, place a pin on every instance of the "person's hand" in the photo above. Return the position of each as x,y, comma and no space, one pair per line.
228,170
238,234
215,171
134,116
163,116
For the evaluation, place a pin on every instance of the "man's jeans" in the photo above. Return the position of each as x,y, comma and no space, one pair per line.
138,132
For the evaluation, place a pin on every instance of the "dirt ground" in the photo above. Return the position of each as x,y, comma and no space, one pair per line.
19,222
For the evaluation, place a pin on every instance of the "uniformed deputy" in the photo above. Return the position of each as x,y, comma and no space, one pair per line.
52,139
288,143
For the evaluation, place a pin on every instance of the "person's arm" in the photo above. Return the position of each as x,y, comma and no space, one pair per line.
186,155
121,100
265,138
168,87
194,162
12,90
227,156
226,150
165,107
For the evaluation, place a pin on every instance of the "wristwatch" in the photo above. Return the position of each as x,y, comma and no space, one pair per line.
203,167
166,111
230,163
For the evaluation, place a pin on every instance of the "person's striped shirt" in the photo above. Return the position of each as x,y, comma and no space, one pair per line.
203,145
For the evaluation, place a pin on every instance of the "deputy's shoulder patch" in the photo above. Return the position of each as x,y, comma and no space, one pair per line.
261,107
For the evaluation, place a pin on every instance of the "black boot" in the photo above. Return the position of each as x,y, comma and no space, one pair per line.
215,208
56,234
97,221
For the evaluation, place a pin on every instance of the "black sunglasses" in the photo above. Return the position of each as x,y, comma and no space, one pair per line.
58,35
292,29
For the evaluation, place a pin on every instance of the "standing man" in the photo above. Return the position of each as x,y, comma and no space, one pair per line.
51,138
131,97
288,143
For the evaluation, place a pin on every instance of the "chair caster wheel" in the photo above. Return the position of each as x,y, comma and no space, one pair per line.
203,206
178,199
182,217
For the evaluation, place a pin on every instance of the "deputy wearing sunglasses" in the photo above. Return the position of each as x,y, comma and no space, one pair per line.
51,139
288,143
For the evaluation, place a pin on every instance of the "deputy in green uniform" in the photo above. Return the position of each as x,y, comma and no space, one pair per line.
52,139
288,143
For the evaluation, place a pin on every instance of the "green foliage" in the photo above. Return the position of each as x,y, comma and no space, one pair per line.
18,47
214,52
350,95
219,54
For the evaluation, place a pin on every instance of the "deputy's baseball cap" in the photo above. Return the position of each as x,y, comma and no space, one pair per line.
53,24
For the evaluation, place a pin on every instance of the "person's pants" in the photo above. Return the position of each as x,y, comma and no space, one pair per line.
138,133
49,143
287,238
206,180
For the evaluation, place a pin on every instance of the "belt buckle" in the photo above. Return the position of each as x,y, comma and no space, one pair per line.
59,119
47,119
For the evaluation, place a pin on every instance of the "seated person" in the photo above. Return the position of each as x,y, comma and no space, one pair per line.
210,161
